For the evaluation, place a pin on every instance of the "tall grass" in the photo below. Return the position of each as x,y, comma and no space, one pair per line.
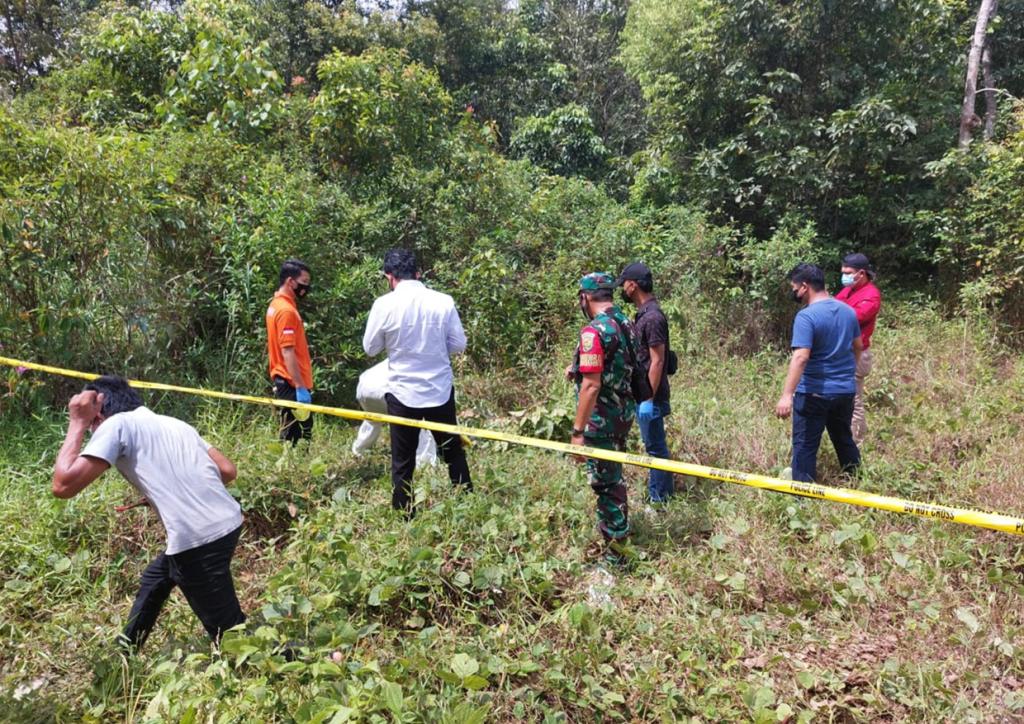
738,605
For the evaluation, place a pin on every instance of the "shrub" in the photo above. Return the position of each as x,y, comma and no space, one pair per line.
377,106
564,142
981,232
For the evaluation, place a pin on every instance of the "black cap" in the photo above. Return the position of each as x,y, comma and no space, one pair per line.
635,272
859,261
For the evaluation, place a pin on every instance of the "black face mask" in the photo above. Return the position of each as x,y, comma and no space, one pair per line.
625,297
795,293
302,290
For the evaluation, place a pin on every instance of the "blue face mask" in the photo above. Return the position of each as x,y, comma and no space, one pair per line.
848,279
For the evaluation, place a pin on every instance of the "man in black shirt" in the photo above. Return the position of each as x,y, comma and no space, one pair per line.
652,354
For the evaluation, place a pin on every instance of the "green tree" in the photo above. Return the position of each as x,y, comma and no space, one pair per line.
564,142
375,107
31,33
762,108
981,231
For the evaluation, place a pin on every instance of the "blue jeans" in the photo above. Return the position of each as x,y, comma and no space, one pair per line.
812,415
659,485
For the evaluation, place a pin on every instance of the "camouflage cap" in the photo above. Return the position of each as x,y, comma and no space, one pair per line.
597,280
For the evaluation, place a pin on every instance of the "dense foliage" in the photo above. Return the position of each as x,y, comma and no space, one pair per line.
159,160
157,168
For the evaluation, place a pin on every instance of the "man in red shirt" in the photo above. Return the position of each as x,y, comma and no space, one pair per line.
290,367
860,293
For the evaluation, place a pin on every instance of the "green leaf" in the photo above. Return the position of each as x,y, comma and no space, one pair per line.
611,698
847,532
968,619
474,682
449,677
463,665
739,526
393,696
718,541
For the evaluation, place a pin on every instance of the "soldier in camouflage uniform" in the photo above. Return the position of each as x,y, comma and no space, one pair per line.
605,408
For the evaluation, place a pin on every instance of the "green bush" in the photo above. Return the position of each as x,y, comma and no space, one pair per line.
981,232
375,107
564,142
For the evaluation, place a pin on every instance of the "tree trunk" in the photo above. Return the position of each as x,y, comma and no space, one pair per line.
968,118
12,38
990,91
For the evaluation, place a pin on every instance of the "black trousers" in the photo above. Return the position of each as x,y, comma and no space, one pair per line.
204,575
291,429
813,415
404,441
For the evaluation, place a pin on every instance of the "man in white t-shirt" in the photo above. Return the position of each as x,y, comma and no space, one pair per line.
420,330
182,477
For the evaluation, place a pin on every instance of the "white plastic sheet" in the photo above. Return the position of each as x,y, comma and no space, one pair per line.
373,385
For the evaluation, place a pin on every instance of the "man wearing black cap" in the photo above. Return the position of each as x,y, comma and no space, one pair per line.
860,292
652,353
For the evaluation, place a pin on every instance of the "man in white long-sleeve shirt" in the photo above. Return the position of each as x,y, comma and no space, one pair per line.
419,329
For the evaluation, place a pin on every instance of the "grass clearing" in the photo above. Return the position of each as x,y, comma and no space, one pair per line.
739,604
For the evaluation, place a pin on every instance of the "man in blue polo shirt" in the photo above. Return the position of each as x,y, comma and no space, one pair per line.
820,385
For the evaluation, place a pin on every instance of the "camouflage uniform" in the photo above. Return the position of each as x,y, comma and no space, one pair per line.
602,347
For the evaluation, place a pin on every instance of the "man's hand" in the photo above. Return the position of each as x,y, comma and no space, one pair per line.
785,406
568,373
578,440
646,411
85,407
303,395
72,471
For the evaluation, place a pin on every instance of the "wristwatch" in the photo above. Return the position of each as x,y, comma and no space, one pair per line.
576,432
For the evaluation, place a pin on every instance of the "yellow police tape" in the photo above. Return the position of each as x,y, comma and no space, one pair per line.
965,516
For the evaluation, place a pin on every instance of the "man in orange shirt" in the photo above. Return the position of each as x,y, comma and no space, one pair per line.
290,367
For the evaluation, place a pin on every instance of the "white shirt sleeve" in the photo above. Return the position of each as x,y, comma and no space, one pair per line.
373,338
105,443
456,334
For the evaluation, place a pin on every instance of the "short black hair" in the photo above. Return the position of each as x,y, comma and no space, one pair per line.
400,263
809,274
290,269
601,295
118,395
646,284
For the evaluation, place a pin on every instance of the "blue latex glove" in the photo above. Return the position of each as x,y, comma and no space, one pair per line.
646,411
302,395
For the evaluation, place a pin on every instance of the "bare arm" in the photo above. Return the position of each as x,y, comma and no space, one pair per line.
73,472
228,471
797,363
858,349
657,367
291,361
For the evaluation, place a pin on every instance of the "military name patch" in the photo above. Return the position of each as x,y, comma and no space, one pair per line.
587,341
590,360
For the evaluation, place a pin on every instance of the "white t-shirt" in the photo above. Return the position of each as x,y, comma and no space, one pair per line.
419,329
168,462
